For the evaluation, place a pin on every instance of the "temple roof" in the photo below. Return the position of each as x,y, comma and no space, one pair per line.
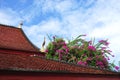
14,38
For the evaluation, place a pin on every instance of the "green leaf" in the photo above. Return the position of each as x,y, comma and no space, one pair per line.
49,38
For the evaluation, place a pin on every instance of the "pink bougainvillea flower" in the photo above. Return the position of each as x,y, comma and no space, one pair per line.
108,58
97,56
104,42
104,59
54,37
66,49
109,51
91,48
63,43
103,48
46,50
59,51
85,63
116,67
113,55
82,63
90,42
89,59
102,66
99,63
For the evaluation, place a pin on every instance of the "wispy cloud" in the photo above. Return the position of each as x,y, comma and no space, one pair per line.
8,16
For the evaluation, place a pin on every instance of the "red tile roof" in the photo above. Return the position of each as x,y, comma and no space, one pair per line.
14,38
33,63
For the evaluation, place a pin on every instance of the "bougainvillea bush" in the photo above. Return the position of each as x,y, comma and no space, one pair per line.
81,52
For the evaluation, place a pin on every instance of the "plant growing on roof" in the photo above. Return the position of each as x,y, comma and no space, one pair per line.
57,49
81,52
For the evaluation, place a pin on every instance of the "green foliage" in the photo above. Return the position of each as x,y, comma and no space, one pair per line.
81,52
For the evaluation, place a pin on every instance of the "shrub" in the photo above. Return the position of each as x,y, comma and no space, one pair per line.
81,52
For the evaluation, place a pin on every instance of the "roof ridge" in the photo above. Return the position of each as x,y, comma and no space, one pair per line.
6,25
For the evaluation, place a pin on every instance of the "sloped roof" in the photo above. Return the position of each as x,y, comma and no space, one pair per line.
14,38
32,63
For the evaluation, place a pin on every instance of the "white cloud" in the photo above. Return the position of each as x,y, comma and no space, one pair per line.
37,32
8,16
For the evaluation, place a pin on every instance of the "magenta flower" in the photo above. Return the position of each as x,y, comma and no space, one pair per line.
89,59
104,42
85,63
66,49
64,44
103,48
82,63
97,56
59,51
46,50
109,51
102,66
104,59
113,56
54,37
99,63
91,48
90,42
116,67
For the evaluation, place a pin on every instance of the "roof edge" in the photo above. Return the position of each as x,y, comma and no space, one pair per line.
10,26
29,40
56,72
5,25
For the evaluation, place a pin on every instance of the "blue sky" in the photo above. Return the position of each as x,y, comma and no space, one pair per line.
66,18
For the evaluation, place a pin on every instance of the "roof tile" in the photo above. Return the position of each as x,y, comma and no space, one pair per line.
12,61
